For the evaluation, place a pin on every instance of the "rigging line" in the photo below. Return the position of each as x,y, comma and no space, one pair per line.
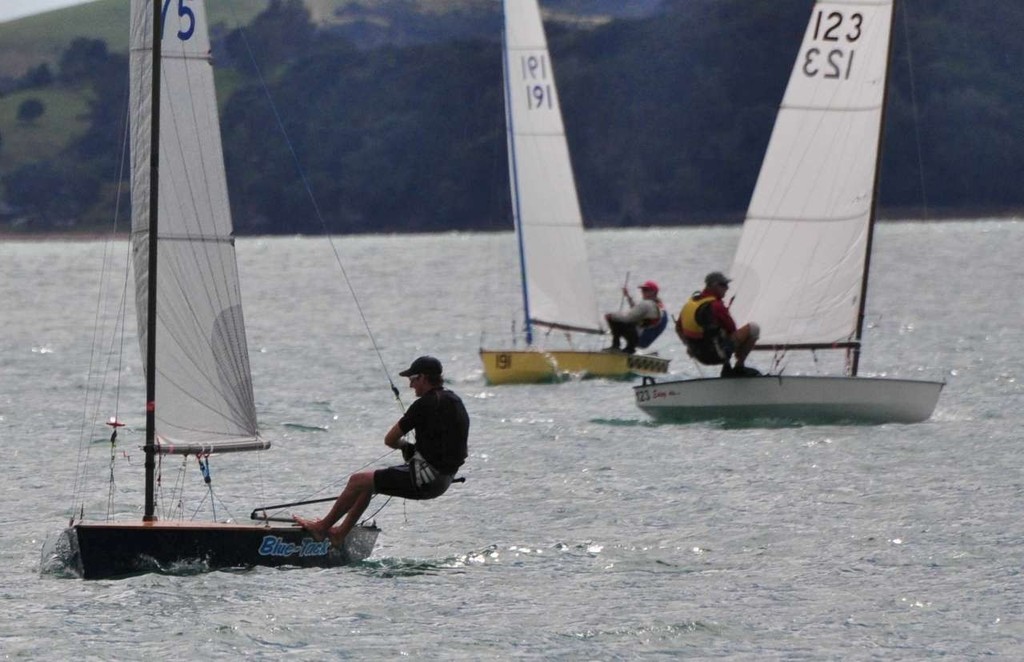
316,208
307,499
374,514
913,105
83,446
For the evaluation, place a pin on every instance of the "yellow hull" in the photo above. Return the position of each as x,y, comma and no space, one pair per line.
531,366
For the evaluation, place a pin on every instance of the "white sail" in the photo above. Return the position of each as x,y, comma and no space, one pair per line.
204,399
801,258
553,253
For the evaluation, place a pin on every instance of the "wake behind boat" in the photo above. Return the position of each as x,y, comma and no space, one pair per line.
801,267
192,334
557,288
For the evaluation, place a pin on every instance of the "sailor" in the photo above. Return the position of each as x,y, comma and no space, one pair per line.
441,424
709,331
632,325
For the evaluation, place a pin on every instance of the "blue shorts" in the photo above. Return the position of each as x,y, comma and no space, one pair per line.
397,481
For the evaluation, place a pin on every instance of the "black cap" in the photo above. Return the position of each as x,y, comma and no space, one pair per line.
424,365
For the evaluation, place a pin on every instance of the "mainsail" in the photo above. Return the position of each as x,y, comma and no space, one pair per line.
553,255
800,265
204,398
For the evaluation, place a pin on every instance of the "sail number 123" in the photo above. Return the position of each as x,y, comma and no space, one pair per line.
838,33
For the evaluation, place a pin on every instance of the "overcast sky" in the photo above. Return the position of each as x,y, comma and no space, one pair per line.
10,9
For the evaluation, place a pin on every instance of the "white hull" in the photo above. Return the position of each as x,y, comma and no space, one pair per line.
798,398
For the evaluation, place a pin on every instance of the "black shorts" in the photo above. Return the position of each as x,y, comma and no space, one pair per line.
708,352
397,481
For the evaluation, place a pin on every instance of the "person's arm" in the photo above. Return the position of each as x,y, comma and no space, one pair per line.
629,297
724,318
395,438
637,313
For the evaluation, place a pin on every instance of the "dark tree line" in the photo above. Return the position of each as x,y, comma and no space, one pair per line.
57,194
667,116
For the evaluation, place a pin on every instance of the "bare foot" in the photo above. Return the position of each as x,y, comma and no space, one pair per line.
314,527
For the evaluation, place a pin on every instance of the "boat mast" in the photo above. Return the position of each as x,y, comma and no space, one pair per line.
154,169
855,359
514,180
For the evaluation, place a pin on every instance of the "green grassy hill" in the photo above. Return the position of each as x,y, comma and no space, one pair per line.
30,41
44,137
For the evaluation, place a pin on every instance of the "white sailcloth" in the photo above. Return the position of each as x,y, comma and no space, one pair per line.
802,253
204,398
553,254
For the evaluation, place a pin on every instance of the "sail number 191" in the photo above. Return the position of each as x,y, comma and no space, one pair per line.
837,34
535,71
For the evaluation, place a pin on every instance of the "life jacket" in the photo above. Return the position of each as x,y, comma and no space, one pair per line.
650,332
696,318
654,321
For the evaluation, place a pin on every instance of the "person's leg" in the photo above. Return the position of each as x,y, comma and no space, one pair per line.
617,330
358,489
745,338
337,534
629,332
707,352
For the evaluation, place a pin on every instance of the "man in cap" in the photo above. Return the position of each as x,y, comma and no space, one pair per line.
629,324
441,424
709,332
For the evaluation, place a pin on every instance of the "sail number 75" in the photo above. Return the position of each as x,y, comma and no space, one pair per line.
838,33
185,13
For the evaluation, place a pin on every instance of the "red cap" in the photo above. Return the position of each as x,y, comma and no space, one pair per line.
649,285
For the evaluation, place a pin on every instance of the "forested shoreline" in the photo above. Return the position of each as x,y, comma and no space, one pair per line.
667,116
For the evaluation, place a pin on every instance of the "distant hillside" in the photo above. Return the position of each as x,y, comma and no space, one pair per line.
393,110
30,41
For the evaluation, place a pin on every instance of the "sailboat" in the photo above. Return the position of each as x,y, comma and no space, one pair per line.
556,285
801,267
199,390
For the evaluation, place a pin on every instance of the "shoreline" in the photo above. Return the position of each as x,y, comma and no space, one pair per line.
92,235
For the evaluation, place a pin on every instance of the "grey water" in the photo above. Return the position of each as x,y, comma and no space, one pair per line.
584,530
